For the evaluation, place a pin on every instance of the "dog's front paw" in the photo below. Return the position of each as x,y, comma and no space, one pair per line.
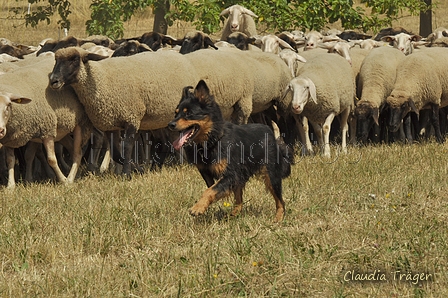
198,209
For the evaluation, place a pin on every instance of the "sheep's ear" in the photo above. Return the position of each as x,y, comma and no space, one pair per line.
300,58
388,38
376,115
248,12
251,40
285,92
94,57
144,48
202,92
19,99
284,44
209,43
412,106
313,93
224,12
416,37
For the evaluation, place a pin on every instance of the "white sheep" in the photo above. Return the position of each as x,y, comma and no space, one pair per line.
421,83
312,39
7,58
240,20
437,33
376,81
342,48
271,43
403,42
292,59
323,89
368,44
49,117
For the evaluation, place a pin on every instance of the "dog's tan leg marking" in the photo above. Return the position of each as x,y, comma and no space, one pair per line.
238,201
279,204
207,198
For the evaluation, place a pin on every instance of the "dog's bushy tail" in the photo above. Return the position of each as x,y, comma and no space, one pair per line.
286,157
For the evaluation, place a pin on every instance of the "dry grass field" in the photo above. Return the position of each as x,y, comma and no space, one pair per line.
377,210
378,213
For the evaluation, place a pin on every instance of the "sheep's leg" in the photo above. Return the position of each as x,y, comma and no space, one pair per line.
353,127
344,128
435,122
52,160
128,142
107,155
407,127
40,154
30,153
59,151
326,133
10,162
76,155
318,131
303,128
242,111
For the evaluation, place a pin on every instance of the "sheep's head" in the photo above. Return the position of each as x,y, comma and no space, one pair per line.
236,13
400,104
240,40
402,41
6,100
312,39
194,41
302,89
130,47
366,114
68,63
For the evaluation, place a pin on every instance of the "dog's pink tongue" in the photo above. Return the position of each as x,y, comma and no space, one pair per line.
178,143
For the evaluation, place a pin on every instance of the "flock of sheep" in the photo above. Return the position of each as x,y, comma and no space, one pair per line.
97,97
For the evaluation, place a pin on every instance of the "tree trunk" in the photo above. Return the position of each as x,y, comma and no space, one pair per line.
426,21
160,24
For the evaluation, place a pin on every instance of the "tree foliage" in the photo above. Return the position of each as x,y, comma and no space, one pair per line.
108,16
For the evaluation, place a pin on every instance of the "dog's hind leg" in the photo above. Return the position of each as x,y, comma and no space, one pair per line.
273,182
238,193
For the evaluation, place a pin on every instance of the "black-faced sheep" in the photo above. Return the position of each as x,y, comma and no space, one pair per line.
129,48
152,39
196,40
390,31
240,20
376,81
421,83
242,41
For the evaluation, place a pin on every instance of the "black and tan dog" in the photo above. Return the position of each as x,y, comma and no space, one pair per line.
226,154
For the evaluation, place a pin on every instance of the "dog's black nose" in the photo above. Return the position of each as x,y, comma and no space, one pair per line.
172,125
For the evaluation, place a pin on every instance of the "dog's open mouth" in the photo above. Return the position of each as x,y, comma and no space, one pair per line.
185,136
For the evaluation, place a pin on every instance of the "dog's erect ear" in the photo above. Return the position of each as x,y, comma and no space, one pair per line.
202,93
186,91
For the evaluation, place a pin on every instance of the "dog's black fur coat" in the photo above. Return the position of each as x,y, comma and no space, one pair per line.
226,154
